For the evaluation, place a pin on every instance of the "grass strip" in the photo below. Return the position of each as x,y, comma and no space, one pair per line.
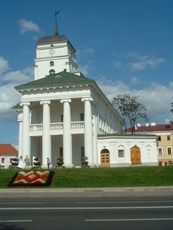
103,177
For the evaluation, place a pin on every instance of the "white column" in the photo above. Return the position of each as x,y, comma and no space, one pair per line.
20,120
46,139
95,150
67,137
25,131
88,135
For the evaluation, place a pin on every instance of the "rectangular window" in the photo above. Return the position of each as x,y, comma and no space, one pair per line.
160,163
82,117
159,138
3,160
160,152
169,162
61,117
169,151
120,153
168,137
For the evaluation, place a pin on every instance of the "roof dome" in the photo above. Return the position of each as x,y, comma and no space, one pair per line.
52,39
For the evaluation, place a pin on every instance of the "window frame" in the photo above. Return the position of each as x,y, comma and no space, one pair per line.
160,148
168,137
169,147
121,151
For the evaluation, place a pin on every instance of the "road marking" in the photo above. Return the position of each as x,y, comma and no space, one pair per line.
16,202
15,221
123,202
128,220
84,208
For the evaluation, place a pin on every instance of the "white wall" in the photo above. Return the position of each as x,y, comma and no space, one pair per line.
148,149
6,160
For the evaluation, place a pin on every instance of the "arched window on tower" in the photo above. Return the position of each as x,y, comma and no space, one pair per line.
51,63
52,71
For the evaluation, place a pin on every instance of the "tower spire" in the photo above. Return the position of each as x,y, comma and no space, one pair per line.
56,25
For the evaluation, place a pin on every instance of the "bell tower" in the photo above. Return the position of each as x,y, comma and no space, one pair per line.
54,54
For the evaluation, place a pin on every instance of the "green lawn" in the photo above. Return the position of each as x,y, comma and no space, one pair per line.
103,177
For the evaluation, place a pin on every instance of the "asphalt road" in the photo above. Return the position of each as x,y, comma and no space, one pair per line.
86,213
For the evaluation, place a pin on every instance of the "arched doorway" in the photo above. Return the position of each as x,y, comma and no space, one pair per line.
105,158
135,155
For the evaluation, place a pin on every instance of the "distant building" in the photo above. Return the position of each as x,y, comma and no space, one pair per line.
164,134
7,153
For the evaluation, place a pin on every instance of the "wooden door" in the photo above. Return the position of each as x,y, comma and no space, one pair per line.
105,159
135,155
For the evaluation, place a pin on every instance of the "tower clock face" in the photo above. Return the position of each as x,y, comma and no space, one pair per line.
52,52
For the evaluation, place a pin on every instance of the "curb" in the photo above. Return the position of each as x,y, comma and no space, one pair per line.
87,192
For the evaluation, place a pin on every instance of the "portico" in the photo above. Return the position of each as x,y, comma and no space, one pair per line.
33,126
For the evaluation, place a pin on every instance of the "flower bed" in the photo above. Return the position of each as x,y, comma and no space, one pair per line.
32,178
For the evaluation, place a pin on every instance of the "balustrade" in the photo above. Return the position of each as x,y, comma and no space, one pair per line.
75,125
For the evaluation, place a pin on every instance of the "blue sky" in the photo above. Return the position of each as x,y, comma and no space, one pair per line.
124,45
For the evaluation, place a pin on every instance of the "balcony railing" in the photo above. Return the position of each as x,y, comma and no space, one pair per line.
77,125
57,128
36,127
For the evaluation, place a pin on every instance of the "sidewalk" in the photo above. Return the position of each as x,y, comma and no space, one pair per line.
87,192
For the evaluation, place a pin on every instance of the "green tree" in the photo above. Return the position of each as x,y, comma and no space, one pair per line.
130,109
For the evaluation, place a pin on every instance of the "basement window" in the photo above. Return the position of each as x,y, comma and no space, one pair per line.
169,162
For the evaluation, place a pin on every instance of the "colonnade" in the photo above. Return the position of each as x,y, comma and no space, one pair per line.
24,132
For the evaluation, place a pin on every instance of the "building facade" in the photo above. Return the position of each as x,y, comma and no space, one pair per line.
62,113
122,150
164,135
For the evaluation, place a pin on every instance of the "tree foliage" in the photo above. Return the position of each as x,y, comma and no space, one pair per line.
130,109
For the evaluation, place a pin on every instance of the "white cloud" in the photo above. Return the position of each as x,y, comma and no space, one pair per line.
85,52
3,65
135,80
132,61
156,98
88,51
9,96
83,69
118,65
28,26
145,61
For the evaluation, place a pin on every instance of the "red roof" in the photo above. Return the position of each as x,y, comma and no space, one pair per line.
153,128
7,149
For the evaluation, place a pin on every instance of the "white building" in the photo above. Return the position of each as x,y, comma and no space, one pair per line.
62,112
7,154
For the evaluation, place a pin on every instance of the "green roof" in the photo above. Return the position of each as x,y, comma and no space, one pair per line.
58,79
18,106
125,135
